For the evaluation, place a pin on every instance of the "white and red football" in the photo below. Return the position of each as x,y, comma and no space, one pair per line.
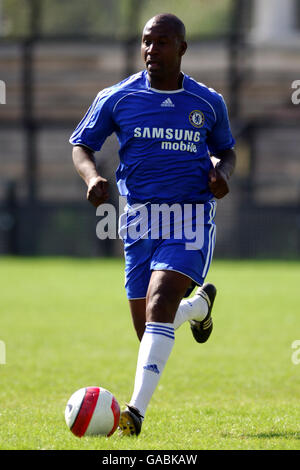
92,411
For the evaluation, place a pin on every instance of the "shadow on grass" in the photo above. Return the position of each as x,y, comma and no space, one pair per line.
268,435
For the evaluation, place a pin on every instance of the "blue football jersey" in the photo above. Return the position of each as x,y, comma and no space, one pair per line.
165,137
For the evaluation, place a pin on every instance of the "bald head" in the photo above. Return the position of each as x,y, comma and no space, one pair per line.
170,22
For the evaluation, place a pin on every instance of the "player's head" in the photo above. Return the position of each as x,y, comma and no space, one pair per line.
163,45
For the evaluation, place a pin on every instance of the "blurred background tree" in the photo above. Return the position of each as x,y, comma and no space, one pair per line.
111,17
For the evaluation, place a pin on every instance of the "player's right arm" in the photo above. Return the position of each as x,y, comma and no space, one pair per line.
84,162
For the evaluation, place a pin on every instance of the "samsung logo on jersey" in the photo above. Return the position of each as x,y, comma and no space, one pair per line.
177,139
169,134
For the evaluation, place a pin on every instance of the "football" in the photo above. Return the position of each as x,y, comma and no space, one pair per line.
92,411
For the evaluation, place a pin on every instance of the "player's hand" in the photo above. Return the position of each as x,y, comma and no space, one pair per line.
97,192
218,183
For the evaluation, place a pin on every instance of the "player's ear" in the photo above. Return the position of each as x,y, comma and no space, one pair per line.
183,47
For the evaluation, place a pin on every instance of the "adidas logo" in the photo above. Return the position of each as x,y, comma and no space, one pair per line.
152,368
168,103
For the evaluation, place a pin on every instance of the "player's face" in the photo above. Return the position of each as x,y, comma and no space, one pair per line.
161,50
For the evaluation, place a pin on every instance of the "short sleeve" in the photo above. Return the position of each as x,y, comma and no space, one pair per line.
220,137
96,125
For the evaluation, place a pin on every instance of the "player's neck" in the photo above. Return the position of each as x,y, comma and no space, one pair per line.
167,84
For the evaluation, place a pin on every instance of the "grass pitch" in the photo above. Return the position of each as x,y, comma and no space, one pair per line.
66,324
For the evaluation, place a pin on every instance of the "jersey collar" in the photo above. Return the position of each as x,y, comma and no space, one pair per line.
169,92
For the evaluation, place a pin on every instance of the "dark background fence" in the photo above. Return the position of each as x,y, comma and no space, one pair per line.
53,72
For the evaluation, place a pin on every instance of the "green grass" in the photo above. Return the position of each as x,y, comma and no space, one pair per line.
66,325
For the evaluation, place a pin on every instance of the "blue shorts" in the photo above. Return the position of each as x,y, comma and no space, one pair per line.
169,237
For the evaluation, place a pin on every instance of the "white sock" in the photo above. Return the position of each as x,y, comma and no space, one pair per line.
155,349
195,308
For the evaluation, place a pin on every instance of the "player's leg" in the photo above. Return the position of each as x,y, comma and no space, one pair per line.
137,277
163,296
165,291
138,315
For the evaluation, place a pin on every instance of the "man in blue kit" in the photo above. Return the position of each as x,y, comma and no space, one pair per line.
170,130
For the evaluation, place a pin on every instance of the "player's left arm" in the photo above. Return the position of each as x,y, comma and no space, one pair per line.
219,176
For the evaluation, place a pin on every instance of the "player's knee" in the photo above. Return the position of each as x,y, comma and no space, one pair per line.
159,308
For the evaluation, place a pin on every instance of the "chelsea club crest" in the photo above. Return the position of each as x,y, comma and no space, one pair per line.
196,118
